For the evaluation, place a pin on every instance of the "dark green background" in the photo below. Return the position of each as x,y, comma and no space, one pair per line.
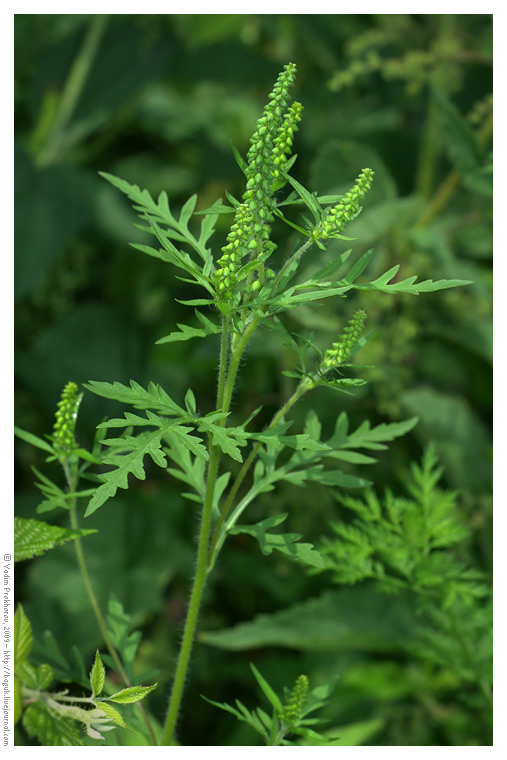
161,99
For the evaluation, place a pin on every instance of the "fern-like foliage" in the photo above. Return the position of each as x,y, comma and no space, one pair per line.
411,543
307,464
172,424
402,541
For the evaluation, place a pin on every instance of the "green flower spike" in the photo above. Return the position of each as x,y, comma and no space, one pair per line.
269,144
283,141
345,211
342,348
297,699
66,417
239,241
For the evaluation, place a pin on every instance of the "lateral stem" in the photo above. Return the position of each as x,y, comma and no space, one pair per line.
93,599
302,388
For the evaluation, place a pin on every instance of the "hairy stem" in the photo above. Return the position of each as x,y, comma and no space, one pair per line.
226,379
194,604
93,599
226,382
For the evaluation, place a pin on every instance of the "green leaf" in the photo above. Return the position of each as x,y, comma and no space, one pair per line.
366,437
160,213
190,402
153,398
131,450
33,537
187,332
218,208
50,728
239,158
301,230
192,469
309,199
242,714
126,643
142,198
187,210
22,637
35,678
131,463
18,700
268,691
341,620
358,268
286,543
384,284
338,478
225,438
55,497
33,440
132,694
97,676
112,714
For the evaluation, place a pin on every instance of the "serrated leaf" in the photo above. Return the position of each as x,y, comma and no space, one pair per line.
50,728
132,694
33,537
22,637
366,437
225,439
35,678
286,543
384,284
154,397
97,675
112,714
143,198
146,443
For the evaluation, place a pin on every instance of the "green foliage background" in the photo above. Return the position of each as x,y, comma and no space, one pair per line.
160,99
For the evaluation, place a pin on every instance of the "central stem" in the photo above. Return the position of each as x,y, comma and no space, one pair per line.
224,394
227,374
193,607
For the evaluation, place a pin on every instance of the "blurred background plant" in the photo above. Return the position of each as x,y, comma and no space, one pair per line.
155,99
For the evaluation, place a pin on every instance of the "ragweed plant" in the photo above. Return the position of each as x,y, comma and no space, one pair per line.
288,720
246,285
